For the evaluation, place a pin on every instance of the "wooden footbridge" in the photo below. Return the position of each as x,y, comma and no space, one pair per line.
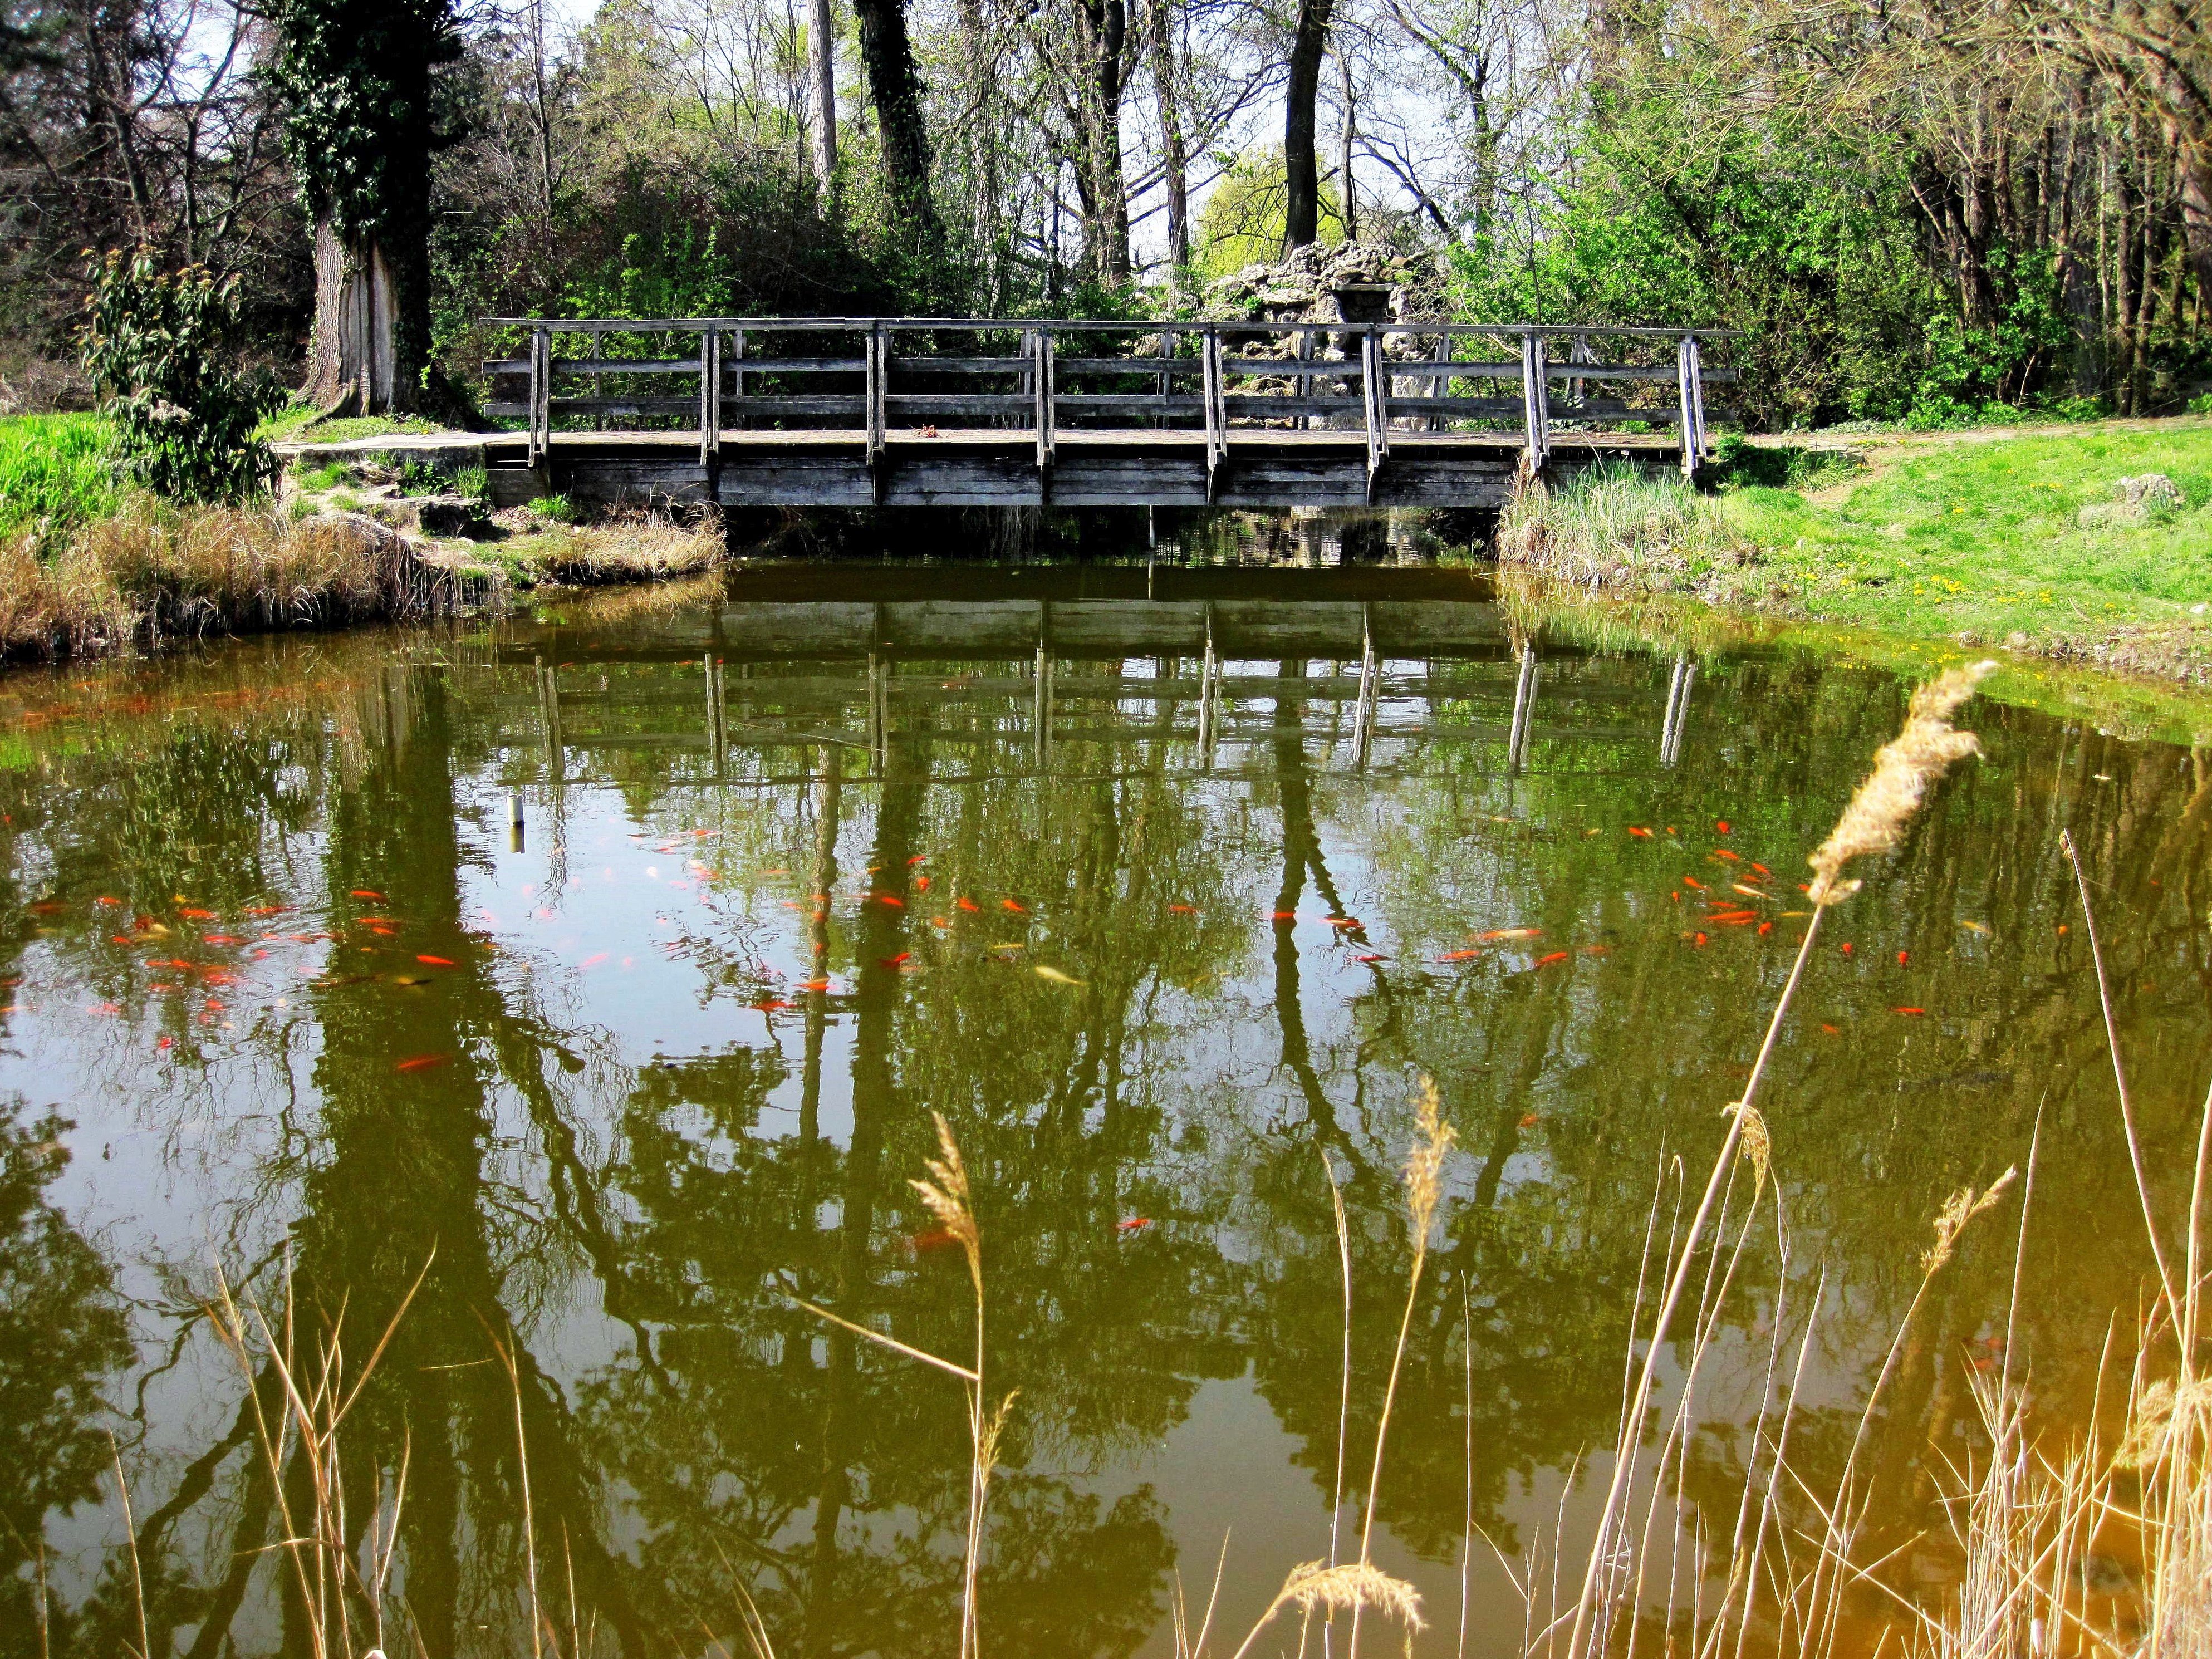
978,412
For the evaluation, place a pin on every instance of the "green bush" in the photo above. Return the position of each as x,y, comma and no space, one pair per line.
555,509
160,343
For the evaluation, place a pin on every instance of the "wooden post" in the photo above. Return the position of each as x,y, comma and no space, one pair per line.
1375,399
1689,383
1165,380
1047,436
1440,385
1535,400
710,397
1217,414
1305,382
874,358
738,348
541,394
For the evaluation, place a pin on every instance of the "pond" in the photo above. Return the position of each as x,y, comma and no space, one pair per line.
596,974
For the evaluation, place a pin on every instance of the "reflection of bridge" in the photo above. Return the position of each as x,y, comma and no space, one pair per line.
973,412
1076,654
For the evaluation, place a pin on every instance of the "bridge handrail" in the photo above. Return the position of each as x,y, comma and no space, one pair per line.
1309,384
1069,324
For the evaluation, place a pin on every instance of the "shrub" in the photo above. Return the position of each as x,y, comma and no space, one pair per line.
555,509
159,343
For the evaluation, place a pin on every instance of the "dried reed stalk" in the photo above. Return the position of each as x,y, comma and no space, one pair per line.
1873,821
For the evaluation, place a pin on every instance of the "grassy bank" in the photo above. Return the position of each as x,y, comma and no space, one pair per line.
89,564
2019,540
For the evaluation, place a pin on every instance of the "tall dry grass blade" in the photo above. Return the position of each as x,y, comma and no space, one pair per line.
1343,1375
950,1367
2120,1079
131,1535
529,1511
1872,821
1425,1163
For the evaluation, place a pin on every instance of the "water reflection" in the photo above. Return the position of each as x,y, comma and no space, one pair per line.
1160,884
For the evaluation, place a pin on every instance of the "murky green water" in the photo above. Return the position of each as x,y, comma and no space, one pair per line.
286,991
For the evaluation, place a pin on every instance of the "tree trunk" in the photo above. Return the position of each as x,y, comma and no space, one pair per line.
1301,178
1347,192
887,52
1105,27
354,355
821,59
1174,164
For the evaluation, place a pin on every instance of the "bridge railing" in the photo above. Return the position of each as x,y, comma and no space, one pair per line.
869,378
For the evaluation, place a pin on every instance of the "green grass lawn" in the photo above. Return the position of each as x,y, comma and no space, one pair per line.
57,468
1984,535
304,422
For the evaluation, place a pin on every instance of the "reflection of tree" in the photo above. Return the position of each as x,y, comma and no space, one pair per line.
728,1434
62,1333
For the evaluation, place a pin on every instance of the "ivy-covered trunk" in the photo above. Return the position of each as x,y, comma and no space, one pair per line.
362,120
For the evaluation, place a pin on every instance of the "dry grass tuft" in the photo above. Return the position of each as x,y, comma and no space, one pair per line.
1903,770
1613,527
1757,1146
636,546
152,571
1355,1588
1951,1221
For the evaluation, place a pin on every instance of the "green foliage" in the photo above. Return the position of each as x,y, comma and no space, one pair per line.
354,77
1690,211
1980,372
1242,220
159,342
473,483
55,470
555,509
676,274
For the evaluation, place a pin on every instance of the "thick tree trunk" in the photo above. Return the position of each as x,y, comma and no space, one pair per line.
887,52
1105,25
1174,163
1301,176
822,61
354,363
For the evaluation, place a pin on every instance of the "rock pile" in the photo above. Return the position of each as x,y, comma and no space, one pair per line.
1352,283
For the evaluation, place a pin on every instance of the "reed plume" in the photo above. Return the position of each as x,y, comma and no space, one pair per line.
1352,1588
1951,1221
1904,768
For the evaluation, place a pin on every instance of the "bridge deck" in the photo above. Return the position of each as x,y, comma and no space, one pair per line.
1029,412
